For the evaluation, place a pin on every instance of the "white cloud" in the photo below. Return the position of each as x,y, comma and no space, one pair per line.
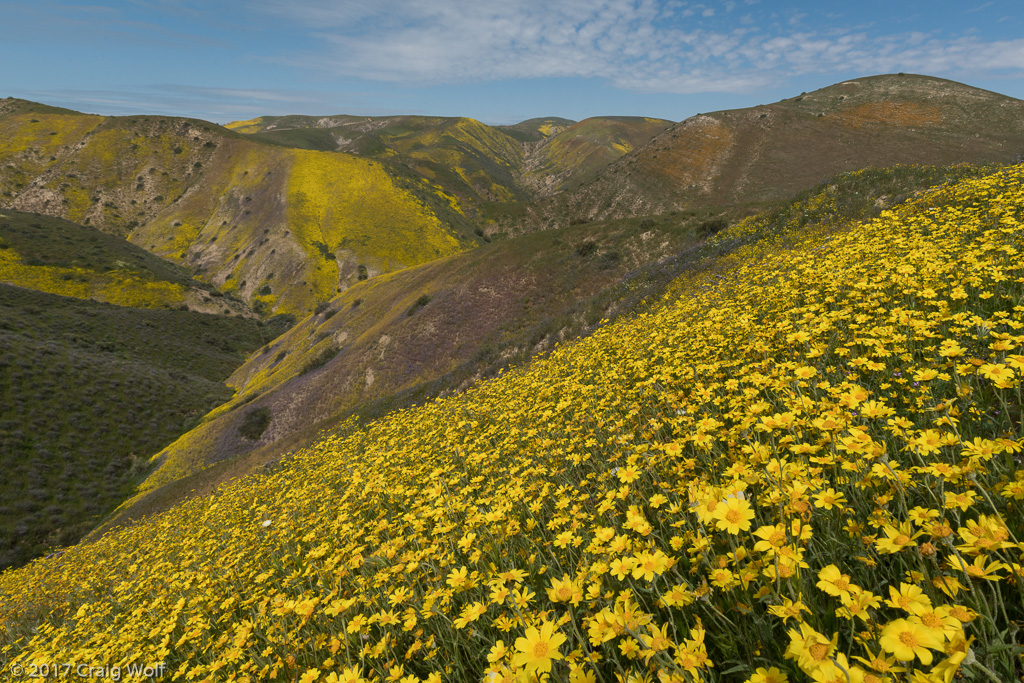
633,44
214,104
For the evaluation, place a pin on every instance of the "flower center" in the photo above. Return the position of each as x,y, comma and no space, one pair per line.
819,651
908,639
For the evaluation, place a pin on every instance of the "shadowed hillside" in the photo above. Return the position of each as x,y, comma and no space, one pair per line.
88,392
53,255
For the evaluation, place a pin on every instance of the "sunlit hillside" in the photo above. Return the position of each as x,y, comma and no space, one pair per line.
775,149
802,465
283,229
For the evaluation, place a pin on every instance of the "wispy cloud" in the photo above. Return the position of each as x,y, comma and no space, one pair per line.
633,44
219,104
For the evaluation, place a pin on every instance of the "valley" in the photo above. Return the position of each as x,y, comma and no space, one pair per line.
327,350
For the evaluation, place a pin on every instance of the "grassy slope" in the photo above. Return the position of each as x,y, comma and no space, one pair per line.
771,151
89,391
575,154
827,388
490,309
480,164
56,256
177,186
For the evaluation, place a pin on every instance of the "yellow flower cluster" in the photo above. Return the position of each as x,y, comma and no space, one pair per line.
800,469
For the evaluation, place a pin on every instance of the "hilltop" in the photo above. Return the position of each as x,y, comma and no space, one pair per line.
771,151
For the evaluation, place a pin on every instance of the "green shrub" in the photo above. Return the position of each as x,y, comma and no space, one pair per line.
320,360
586,248
255,423
420,303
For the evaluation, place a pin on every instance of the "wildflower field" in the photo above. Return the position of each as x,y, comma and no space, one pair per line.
801,465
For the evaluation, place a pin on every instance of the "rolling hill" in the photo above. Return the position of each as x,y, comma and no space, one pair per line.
573,155
478,163
237,212
772,151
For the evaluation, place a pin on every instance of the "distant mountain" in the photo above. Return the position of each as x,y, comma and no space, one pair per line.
771,151
476,162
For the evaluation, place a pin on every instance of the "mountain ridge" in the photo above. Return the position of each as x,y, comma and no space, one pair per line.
768,151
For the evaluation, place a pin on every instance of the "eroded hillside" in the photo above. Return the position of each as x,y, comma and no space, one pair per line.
771,151
238,212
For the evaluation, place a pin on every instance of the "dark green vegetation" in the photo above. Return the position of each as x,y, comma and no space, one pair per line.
255,423
88,391
48,241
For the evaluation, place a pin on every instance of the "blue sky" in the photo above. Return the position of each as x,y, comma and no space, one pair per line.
499,62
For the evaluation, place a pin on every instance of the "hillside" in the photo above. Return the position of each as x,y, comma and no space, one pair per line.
89,392
772,151
53,255
801,462
434,328
281,228
582,150
479,164
375,349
